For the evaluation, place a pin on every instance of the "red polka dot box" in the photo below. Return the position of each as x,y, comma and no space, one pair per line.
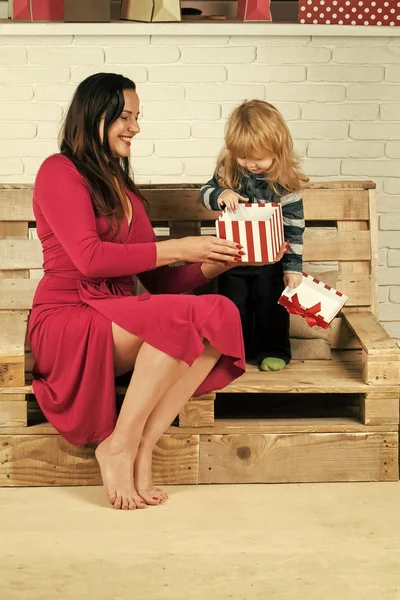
350,12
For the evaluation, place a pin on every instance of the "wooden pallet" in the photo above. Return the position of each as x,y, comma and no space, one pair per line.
359,446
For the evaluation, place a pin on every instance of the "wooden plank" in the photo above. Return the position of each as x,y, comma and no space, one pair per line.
373,337
16,203
49,460
338,185
225,426
10,230
323,245
344,205
358,288
13,413
373,225
295,458
17,294
379,409
13,230
357,264
197,413
342,374
181,202
20,254
289,425
13,326
380,369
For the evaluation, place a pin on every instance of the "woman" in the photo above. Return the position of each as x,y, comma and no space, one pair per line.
87,326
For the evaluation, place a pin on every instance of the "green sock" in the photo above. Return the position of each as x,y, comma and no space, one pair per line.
272,364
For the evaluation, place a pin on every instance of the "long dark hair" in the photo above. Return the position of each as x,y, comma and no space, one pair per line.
100,95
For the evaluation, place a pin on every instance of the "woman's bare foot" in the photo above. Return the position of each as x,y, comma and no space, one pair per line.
116,465
144,480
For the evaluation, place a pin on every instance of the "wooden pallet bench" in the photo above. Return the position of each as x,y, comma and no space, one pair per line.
345,426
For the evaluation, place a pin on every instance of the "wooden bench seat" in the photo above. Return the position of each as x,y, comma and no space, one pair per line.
360,444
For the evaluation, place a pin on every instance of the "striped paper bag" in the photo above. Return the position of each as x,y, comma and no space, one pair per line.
317,302
257,227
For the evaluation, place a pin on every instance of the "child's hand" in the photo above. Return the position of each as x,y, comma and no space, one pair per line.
292,279
230,199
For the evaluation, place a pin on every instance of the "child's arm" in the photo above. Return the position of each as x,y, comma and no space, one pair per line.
215,197
210,193
293,225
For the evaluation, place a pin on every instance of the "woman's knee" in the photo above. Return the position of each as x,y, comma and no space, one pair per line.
126,347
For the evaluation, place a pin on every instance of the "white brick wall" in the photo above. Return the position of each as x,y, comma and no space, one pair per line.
340,96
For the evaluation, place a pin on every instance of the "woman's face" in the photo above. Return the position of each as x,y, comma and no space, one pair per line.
122,131
255,165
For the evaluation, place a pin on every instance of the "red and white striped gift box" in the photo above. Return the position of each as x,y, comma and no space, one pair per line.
257,227
314,300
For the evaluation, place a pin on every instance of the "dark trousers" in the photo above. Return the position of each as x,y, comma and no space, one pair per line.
255,291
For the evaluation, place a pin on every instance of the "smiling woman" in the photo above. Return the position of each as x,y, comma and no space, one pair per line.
87,326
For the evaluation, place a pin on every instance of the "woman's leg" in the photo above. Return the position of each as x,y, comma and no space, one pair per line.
164,413
155,373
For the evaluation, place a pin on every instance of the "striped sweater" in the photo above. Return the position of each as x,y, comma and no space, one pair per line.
256,189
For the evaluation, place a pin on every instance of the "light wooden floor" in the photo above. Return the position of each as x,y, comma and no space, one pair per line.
277,542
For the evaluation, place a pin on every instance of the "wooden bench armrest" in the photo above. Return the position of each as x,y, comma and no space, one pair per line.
13,327
380,353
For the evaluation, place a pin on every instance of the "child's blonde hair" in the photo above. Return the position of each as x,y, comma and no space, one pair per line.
257,129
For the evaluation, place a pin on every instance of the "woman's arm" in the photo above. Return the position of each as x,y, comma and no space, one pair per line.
178,280
62,196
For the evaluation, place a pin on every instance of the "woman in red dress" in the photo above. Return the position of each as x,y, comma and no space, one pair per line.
87,326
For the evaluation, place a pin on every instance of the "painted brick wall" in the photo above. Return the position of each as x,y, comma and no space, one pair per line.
340,96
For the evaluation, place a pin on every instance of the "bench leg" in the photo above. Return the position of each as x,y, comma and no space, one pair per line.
379,408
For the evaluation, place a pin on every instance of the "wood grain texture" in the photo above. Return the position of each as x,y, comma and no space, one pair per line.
342,374
13,325
181,201
320,245
17,294
379,408
13,413
197,413
374,229
20,254
43,460
10,230
295,458
380,369
373,337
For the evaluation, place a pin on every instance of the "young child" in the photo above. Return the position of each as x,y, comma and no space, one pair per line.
258,164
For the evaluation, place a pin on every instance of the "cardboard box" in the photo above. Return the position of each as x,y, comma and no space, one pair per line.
87,11
258,227
314,300
151,10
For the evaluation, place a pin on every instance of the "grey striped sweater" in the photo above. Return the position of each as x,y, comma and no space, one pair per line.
256,189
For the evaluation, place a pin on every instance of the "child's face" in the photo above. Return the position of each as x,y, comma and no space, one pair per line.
255,165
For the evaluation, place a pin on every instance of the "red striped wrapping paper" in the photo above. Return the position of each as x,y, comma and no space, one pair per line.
258,227
310,293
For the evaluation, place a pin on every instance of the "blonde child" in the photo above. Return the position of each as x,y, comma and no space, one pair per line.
258,164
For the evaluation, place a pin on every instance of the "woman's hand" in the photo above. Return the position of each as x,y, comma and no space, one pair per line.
293,280
278,257
231,200
210,250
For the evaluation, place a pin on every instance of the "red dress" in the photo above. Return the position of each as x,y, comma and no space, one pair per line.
87,285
